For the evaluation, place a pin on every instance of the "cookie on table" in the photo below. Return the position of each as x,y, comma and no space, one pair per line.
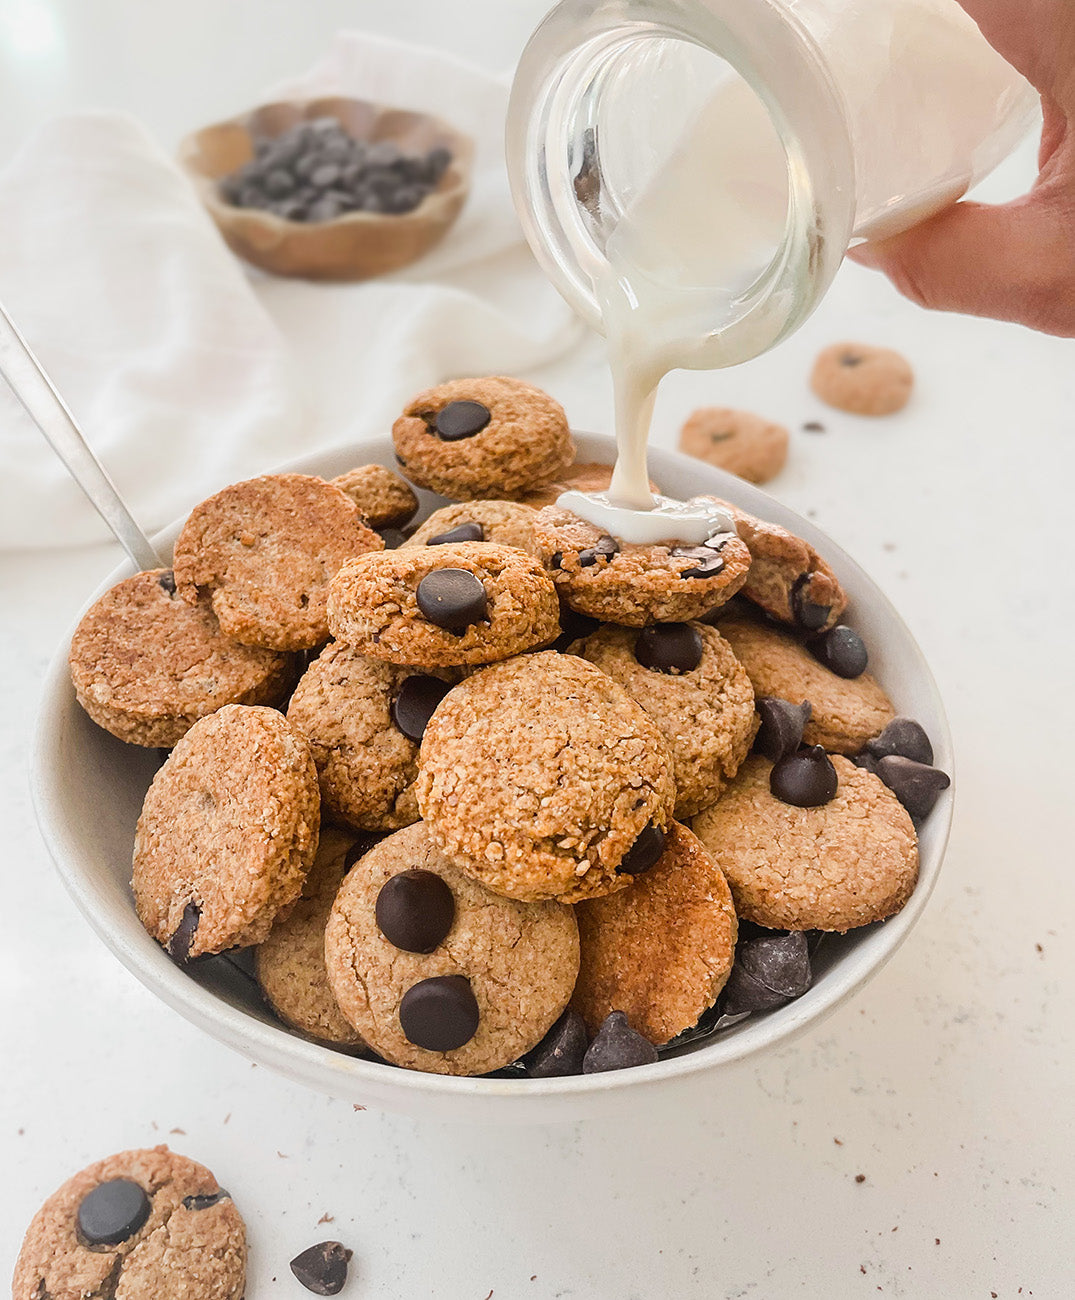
146,665
435,606
505,522
264,552
662,950
848,862
363,719
472,438
845,712
384,499
141,1225
227,832
863,380
690,683
542,778
436,972
622,583
744,444
582,476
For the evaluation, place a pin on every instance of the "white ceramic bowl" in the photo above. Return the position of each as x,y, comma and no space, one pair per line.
88,789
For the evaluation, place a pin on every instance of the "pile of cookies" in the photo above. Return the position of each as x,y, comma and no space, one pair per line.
501,791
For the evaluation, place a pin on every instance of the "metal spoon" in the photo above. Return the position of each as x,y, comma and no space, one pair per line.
37,394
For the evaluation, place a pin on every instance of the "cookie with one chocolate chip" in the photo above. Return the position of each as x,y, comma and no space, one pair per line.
384,499
488,437
142,1225
435,606
436,972
264,551
744,444
227,832
863,380
542,778
836,865
505,522
582,476
146,665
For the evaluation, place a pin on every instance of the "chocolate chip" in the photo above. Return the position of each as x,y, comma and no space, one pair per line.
392,537
205,1200
461,420
439,1014
324,175
179,944
603,549
112,1212
616,1046
468,532
841,650
167,581
851,359
905,737
415,910
708,565
452,598
806,613
866,761
916,785
781,730
814,426
644,852
669,648
573,627
322,1269
412,708
768,972
360,848
806,779
556,560
561,1051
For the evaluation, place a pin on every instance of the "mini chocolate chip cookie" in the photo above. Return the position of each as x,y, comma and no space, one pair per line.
582,476
848,861
227,832
384,500
483,438
435,606
621,583
436,972
862,379
505,522
542,778
688,680
141,1225
264,551
146,665
741,442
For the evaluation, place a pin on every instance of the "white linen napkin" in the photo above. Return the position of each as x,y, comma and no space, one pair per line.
189,371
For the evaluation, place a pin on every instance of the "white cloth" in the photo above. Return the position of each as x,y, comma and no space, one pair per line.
187,370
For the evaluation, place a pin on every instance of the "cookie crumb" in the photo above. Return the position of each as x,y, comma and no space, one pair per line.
1037,947
326,1218
181,1131
860,1178
936,1241
356,1108
838,1142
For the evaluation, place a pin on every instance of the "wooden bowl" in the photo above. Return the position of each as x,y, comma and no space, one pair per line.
356,245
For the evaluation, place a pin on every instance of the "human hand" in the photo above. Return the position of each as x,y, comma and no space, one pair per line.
1015,261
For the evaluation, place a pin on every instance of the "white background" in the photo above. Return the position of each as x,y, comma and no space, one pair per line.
947,1083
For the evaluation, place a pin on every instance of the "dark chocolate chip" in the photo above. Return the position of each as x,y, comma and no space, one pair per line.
708,562
205,1200
452,598
412,708
866,761
112,1212
279,183
916,785
603,549
437,162
360,848
718,541
179,944
814,426
573,627
781,730
468,532
905,737
806,613
439,1014
851,359
322,1269
561,1051
415,910
616,1046
167,582
392,537
461,420
644,853
326,208
556,560
669,648
841,650
806,779
768,972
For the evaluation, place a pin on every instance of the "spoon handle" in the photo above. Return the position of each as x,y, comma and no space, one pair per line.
43,404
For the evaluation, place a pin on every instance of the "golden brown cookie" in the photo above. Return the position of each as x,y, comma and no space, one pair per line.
146,665
542,778
847,863
461,603
582,476
483,438
862,379
227,832
436,972
384,499
265,551
505,522
739,441
662,950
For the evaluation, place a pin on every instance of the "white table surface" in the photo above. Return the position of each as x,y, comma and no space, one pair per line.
947,1082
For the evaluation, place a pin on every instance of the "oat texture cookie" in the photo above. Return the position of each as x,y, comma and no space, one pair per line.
264,551
741,442
436,972
435,606
364,720
483,438
847,862
227,832
542,778
140,1225
690,683
146,665
621,583
505,522
662,950
863,380
384,500
582,476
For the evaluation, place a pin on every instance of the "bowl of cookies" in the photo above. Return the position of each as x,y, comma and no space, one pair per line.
416,787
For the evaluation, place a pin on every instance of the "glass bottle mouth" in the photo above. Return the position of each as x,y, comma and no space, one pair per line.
602,96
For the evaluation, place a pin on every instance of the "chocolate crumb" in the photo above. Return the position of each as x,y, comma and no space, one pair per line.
838,1142
936,1241
358,1108
1037,946
860,1178
813,426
